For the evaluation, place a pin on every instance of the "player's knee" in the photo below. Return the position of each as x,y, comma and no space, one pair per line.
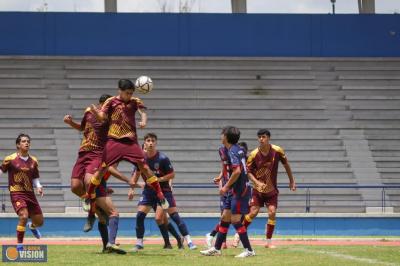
159,220
23,217
140,216
253,212
38,222
76,188
113,212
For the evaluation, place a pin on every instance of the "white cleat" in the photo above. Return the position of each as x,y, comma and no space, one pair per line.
85,204
246,253
209,240
211,252
236,241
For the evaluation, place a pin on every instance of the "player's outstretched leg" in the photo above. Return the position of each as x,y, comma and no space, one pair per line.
241,230
247,220
152,181
179,238
270,230
210,236
183,229
140,216
221,236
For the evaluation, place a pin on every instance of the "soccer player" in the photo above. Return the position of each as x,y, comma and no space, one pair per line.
221,180
122,138
237,185
90,151
262,166
23,176
160,164
89,160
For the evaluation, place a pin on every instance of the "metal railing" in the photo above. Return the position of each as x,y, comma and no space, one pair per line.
309,189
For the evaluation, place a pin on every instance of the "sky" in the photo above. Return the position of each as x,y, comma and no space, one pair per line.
200,6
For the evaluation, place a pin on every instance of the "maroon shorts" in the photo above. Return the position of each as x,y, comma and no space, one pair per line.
260,199
122,150
87,163
27,200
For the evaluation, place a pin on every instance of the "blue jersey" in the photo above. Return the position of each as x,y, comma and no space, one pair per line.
237,158
223,154
161,166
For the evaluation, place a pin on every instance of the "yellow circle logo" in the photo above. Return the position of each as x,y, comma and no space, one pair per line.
12,253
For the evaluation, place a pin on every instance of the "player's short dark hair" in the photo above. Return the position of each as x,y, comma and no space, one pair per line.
20,136
150,135
232,134
263,131
104,97
243,144
125,84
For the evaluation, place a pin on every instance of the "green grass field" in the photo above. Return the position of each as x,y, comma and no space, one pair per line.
283,255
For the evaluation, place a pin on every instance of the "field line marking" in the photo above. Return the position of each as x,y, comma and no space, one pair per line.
346,256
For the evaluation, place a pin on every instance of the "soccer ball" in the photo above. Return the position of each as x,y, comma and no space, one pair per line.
143,84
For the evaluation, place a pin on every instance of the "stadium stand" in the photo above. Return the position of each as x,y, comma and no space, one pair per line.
337,119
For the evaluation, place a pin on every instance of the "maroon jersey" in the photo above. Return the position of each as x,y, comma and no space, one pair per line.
265,168
94,132
121,117
20,172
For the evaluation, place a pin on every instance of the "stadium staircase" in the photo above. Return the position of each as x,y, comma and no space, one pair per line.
337,119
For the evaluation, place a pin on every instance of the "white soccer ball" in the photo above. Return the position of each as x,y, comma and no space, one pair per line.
143,84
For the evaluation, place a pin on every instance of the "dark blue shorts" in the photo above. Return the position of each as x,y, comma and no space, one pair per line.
240,205
225,202
149,198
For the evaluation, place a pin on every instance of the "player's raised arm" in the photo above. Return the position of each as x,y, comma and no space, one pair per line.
120,176
143,117
69,121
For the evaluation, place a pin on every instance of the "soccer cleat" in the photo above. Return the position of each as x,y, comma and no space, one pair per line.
164,204
211,252
236,240
137,247
85,204
246,253
105,251
167,246
209,240
89,223
112,248
20,247
269,245
180,242
192,246
34,231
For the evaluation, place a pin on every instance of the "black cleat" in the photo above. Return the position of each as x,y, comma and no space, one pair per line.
167,246
181,241
112,248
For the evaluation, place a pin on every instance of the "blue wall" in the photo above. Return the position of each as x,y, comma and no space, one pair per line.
198,34
201,226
